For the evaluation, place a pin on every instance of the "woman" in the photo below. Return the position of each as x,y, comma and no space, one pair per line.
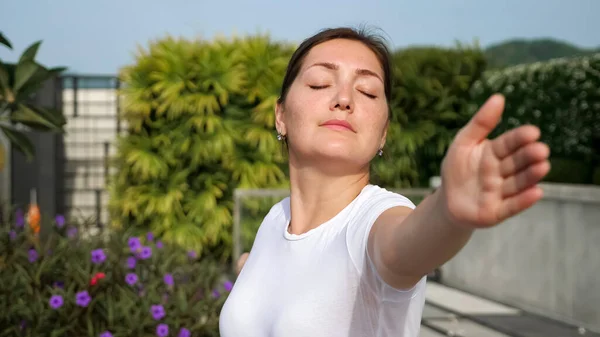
342,257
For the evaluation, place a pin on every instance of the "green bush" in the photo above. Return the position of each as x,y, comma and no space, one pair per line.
431,90
559,96
201,123
106,285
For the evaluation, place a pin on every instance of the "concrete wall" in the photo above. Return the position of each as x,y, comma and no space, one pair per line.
545,260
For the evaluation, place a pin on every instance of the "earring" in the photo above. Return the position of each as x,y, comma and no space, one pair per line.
380,153
280,136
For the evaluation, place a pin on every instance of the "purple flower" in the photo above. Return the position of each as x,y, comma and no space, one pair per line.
60,220
134,244
19,218
192,254
150,236
59,284
145,253
71,232
162,330
33,255
82,298
131,262
12,234
159,244
216,293
56,301
168,278
106,334
158,312
98,256
183,332
228,285
131,279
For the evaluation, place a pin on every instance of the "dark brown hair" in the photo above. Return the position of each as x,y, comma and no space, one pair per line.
374,42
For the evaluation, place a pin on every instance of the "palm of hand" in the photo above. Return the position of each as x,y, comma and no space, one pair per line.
487,181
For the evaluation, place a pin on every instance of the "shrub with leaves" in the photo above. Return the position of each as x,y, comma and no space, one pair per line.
19,82
431,100
201,123
106,285
561,97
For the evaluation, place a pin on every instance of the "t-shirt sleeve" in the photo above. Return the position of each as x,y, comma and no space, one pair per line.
358,236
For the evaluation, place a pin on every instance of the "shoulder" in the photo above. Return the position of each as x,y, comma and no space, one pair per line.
277,214
373,201
379,199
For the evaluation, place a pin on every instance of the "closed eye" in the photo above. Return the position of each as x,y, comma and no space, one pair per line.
369,95
317,87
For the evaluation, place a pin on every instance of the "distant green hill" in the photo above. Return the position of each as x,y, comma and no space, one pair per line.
520,51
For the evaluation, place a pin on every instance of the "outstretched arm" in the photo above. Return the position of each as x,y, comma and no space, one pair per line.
484,182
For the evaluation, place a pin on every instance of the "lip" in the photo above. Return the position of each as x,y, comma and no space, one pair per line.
338,124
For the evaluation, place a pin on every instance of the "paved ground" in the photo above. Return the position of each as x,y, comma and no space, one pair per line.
449,312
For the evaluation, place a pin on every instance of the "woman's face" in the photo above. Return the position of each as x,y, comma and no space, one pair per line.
341,81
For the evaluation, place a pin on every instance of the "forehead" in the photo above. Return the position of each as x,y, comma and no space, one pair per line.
345,53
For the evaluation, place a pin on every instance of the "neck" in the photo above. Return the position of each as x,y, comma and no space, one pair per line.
317,195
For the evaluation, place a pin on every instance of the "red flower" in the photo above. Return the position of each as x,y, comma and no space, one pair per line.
97,277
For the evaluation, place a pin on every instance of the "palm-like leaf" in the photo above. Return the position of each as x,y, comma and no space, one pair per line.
17,83
201,125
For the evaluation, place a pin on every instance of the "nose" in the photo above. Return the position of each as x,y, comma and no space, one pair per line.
342,101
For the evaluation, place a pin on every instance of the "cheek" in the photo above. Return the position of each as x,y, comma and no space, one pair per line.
375,121
300,115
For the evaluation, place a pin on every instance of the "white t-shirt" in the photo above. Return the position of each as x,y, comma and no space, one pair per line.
321,283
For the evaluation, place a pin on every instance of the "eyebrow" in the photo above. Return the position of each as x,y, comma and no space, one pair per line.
333,66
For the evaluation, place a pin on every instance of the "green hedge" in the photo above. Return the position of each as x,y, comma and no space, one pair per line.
562,98
73,284
431,102
201,123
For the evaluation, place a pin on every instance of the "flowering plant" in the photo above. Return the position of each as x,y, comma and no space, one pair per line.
105,285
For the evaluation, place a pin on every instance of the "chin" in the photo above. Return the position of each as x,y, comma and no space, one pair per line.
347,157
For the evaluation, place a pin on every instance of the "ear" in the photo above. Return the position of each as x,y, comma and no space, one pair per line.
279,123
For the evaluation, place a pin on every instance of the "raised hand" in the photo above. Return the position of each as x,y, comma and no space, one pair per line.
487,181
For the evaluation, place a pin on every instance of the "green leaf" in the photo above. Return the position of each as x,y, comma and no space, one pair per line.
38,118
30,53
21,142
5,89
4,40
90,324
24,73
2,156
37,80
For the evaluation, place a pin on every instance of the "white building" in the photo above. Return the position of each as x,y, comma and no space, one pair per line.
91,108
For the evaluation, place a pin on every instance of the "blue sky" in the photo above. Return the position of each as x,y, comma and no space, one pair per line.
98,37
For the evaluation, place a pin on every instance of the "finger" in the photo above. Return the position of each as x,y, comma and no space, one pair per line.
525,178
519,202
510,141
523,157
483,122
